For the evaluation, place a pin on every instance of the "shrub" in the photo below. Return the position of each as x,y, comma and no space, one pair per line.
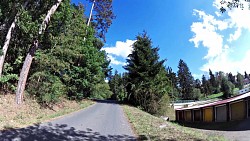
46,88
101,91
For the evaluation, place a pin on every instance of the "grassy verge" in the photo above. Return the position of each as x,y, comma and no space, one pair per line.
149,127
213,96
30,112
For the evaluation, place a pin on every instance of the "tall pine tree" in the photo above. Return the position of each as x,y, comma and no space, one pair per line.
147,81
185,80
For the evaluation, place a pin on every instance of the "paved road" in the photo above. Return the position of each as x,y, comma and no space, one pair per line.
237,131
240,132
102,121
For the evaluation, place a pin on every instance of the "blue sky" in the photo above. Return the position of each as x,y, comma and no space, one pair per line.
192,30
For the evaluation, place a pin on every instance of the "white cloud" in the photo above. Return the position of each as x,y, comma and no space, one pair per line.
122,49
240,18
114,61
209,33
205,33
235,36
226,64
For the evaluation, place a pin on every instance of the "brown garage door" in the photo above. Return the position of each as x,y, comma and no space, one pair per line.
197,115
187,115
208,114
238,110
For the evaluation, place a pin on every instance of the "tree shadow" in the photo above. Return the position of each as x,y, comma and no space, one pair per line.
239,125
58,132
106,101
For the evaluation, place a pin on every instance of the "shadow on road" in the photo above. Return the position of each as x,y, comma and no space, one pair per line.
240,125
106,101
57,132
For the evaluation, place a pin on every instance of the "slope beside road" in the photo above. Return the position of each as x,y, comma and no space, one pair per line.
103,121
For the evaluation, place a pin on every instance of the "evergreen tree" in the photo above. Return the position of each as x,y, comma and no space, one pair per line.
231,78
214,83
117,87
147,84
174,93
240,81
227,87
246,75
197,83
185,80
206,86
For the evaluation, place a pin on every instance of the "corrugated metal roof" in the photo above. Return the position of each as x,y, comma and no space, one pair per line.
220,102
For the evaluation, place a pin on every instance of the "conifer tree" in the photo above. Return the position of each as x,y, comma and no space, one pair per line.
206,86
185,80
117,87
240,79
147,81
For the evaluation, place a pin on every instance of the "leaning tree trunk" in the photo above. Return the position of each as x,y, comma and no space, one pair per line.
90,15
7,40
28,60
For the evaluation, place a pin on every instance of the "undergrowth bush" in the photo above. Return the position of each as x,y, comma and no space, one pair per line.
46,88
101,91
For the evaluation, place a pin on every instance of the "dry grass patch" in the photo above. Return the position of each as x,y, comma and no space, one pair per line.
149,127
30,112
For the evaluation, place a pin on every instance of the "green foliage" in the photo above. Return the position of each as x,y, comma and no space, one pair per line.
164,106
117,86
185,80
101,91
102,17
227,88
174,93
239,83
46,88
196,93
146,81
8,78
69,52
214,82
69,62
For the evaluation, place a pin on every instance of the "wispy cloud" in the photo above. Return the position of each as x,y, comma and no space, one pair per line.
217,34
121,49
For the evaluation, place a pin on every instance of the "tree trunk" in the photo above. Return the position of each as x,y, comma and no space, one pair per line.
6,45
28,60
90,15
7,41
25,72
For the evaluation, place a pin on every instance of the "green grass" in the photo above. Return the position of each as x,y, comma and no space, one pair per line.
147,127
31,112
214,96
64,111
219,95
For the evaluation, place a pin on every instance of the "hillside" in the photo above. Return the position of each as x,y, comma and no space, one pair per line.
30,112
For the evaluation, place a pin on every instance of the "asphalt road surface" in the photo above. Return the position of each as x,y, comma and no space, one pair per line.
103,121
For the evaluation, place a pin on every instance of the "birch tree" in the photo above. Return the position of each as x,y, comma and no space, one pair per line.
7,39
28,60
101,16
